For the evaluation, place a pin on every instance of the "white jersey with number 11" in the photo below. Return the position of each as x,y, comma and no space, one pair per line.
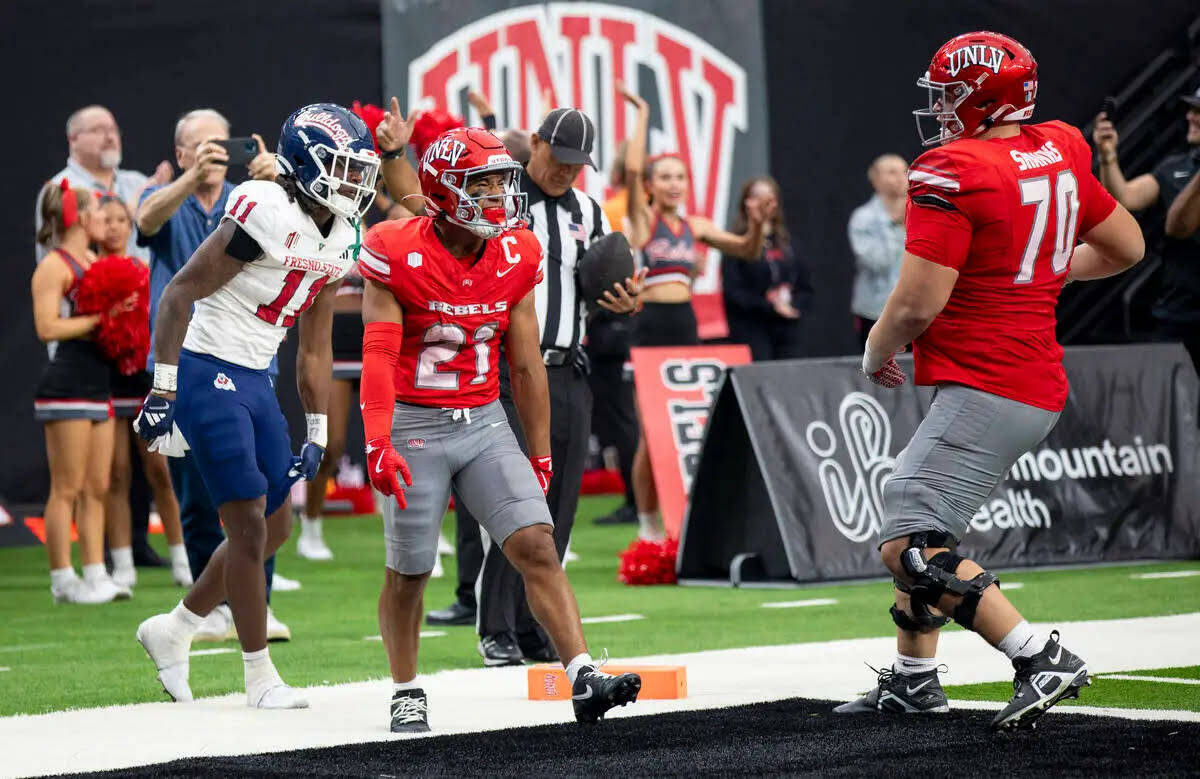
244,321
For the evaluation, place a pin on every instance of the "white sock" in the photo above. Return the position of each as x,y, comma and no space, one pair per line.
308,524
1021,641
402,686
94,572
259,668
62,577
178,554
649,526
578,663
187,621
911,666
122,557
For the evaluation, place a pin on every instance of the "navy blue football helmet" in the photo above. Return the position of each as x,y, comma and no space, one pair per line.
330,153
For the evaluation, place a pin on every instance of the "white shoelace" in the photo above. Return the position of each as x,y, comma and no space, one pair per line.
459,413
409,709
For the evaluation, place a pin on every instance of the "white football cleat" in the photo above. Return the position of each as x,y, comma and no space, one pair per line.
64,592
275,695
311,545
283,584
181,574
218,626
276,630
169,651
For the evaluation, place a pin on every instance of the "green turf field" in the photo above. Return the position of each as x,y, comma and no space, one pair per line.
81,656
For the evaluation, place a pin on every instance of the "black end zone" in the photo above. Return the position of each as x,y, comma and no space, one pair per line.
795,737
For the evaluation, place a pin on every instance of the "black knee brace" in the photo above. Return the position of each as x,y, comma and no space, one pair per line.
922,619
936,577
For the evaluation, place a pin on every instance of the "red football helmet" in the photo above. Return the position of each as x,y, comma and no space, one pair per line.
447,166
974,81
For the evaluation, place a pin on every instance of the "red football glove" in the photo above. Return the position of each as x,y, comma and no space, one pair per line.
543,470
383,465
889,375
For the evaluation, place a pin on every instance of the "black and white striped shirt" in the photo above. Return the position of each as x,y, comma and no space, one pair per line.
566,225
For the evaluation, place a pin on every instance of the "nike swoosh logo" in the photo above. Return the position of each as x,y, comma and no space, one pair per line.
1057,656
1179,174
507,270
583,696
918,688
378,468
494,424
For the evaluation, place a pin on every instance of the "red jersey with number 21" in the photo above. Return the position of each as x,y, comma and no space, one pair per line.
1007,214
455,309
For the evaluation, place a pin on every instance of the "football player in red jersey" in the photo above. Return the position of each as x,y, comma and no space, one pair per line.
993,217
442,293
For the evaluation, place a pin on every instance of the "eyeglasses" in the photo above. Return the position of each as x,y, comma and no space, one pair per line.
103,129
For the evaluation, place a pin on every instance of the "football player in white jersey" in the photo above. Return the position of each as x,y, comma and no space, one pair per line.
280,253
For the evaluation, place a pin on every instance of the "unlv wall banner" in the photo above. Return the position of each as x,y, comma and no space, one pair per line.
702,74
675,389
797,452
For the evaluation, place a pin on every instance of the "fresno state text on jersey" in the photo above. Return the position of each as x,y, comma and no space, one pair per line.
244,321
1006,213
455,309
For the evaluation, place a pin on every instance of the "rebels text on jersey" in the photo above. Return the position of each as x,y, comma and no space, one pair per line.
244,321
1006,213
455,310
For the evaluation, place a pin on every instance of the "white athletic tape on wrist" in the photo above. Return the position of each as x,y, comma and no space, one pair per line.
318,429
165,377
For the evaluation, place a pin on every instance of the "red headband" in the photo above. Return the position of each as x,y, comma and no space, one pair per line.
70,206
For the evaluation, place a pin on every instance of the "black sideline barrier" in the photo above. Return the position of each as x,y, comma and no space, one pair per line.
789,485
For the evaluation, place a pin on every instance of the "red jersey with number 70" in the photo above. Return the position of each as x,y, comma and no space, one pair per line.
1006,213
455,309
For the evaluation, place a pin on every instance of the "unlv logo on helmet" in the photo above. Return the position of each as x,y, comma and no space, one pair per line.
446,149
513,55
988,56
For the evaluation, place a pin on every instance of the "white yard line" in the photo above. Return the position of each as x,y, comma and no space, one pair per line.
1165,575
205,652
797,604
1161,679
4,668
26,647
1011,585
612,618
466,701
424,634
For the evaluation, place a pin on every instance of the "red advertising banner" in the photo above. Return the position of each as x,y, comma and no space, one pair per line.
675,389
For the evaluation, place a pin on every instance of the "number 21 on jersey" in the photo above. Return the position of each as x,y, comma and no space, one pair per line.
1060,191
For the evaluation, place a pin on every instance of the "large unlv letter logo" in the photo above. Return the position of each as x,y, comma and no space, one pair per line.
578,51
856,509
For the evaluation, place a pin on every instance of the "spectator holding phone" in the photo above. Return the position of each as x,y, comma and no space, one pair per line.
1174,185
173,220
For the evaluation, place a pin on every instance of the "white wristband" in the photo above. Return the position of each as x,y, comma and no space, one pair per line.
165,377
318,429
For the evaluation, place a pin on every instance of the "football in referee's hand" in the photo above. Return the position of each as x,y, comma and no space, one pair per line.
606,262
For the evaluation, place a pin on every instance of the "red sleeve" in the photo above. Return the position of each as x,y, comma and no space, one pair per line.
373,262
1095,203
377,388
536,250
937,226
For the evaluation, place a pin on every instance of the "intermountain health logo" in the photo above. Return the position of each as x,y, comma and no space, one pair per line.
852,480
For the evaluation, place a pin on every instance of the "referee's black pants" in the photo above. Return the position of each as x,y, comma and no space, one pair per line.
500,589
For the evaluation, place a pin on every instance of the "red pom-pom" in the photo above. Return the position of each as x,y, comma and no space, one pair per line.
118,289
429,125
649,562
371,114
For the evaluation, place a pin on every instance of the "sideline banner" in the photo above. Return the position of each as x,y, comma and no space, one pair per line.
702,73
805,446
675,389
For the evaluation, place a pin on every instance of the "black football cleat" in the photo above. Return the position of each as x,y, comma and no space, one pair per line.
595,692
897,693
500,649
1040,682
410,712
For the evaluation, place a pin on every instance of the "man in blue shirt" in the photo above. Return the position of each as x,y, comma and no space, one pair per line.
172,221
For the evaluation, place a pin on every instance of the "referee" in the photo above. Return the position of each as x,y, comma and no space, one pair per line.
566,221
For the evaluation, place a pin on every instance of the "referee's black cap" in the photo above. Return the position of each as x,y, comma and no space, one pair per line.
570,134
